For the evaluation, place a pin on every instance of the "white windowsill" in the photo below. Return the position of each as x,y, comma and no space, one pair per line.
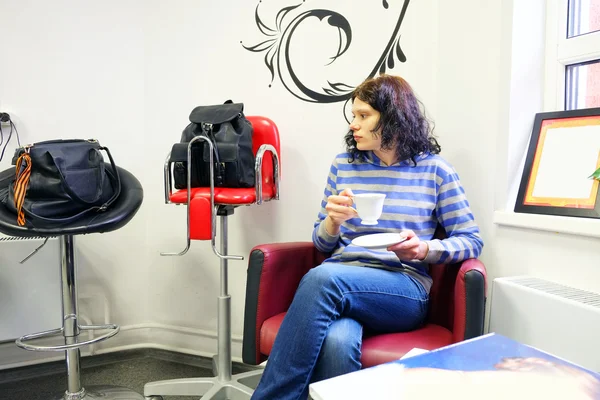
571,225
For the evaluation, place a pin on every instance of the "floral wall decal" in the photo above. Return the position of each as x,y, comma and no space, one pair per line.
276,48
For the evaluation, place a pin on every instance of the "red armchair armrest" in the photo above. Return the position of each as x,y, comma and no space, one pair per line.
457,298
469,300
274,273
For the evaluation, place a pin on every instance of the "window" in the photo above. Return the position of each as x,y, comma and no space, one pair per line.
572,54
583,17
557,56
582,86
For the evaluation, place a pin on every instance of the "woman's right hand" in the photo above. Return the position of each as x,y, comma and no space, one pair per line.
339,209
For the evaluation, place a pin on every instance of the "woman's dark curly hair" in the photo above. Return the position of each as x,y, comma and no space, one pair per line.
402,122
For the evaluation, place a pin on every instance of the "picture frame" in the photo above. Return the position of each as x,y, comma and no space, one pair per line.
563,151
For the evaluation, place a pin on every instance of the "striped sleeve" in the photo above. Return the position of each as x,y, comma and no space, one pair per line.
324,241
454,214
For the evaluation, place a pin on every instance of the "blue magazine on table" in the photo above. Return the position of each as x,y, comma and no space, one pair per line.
488,352
538,373
487,367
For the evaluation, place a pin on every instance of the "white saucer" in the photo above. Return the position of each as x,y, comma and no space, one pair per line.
378,240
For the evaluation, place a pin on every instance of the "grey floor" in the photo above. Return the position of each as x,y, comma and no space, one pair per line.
130,369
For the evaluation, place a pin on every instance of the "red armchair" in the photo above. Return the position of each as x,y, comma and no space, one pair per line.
456,305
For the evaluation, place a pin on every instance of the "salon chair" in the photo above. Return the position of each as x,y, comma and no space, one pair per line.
203,206
117,216
456,304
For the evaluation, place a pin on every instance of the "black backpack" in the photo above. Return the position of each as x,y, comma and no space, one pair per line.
231,134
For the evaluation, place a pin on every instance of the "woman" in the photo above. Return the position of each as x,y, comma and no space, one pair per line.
390,149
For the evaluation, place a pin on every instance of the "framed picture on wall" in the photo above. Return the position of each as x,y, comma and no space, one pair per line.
564,150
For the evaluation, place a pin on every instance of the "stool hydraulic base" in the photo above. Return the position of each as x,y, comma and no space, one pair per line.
72,342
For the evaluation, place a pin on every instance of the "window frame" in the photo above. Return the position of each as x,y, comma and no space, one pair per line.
562,51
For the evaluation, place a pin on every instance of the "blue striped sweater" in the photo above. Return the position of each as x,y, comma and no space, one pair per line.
417,198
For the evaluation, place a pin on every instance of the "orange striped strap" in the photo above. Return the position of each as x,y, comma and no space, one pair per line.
21,183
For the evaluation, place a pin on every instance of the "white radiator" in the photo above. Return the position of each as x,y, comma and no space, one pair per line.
554,318
30,293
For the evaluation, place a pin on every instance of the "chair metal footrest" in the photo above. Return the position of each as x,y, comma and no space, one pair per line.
114,329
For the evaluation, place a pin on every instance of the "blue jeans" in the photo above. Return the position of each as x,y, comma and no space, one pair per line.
321,334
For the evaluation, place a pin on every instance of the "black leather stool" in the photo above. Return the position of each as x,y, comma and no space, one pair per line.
120,213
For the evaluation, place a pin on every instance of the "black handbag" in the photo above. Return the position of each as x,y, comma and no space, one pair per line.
231,135
60,181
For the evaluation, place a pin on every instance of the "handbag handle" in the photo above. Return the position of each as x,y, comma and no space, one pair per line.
116,177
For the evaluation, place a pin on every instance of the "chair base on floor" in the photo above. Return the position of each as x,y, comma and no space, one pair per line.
240,387
224,386
71,331
102,393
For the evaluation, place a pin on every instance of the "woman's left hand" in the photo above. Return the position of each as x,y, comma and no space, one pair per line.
410,249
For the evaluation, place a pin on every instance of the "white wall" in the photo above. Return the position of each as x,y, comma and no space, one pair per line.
129,72
188,64
75,70
565,258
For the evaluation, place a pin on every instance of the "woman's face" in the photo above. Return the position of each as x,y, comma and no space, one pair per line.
364,121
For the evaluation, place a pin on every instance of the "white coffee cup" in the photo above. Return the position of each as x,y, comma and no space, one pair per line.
369,207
